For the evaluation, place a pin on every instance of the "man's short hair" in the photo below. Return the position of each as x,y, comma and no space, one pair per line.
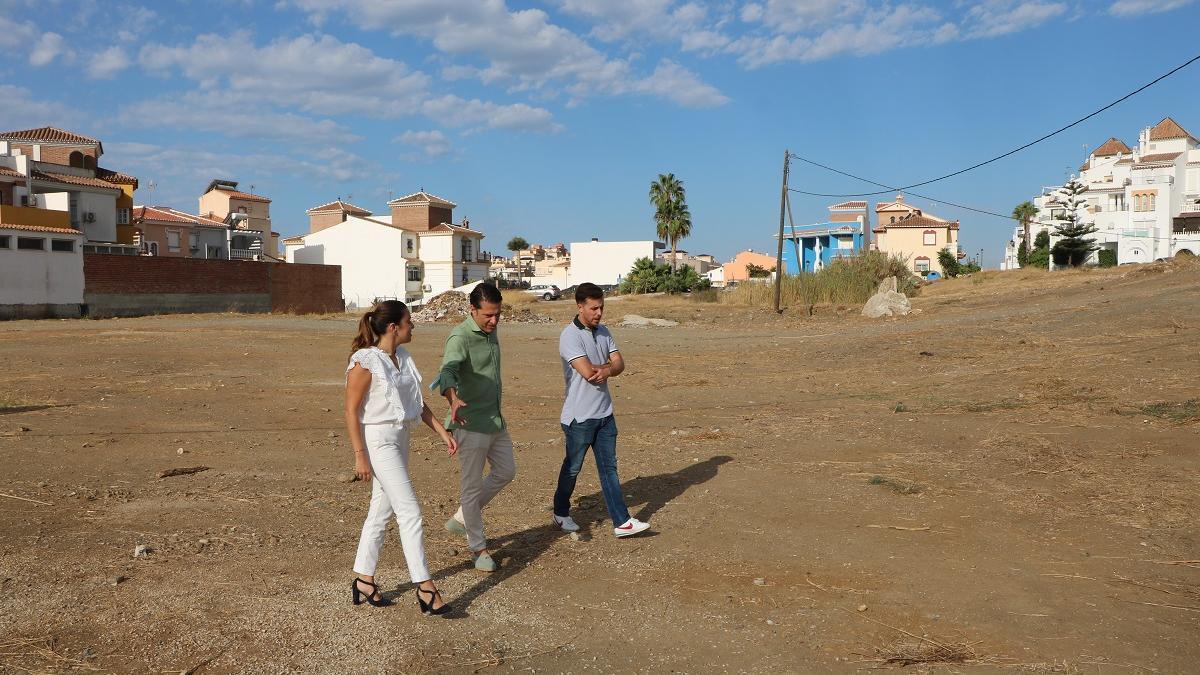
485,292
588,291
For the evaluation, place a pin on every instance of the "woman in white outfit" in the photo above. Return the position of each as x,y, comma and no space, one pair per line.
383,405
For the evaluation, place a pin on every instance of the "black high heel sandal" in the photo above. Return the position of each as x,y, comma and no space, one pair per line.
357,596
427,607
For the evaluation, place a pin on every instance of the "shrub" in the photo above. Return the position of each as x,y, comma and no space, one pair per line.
1108,257
646,276
849,281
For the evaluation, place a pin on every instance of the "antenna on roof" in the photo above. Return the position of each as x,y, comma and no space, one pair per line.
252,188
349,196
150,186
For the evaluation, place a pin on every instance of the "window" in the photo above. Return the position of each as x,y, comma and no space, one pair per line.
408,243
241,209
172,240
414,274
930,238
893,219
62,245
5,241
122,216
922,264
75,159
466,252
153,249
194,241
31,244
1150,199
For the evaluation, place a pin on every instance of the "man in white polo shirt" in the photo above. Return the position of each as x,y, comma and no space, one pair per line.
589,357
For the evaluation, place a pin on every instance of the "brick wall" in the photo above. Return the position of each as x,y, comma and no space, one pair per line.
118,285
320,221
57,154
137,274
422,217
306,289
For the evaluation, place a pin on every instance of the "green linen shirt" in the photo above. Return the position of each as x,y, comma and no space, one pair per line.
471,365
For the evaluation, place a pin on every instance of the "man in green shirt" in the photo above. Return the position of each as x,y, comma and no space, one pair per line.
470,381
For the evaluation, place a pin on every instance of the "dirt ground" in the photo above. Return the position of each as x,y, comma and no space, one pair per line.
1006,480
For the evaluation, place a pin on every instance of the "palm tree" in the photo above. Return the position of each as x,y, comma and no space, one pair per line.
516,245
1024,214
672,219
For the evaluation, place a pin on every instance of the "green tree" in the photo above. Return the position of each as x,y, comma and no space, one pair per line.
672,218
1040,255
949,263
1024,214
1073,247
646,276
758,271
516,245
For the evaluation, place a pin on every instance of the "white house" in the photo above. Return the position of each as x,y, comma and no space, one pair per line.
608,262
1144,202
411,254
41,265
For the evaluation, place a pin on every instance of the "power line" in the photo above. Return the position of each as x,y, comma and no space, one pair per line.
915,194
1014,151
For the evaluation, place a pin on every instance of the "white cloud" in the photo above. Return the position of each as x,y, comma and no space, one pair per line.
238,116
1000,17
22,111
317,73
672,81
455,111
619,19
47,48
878,30
182,171
1135,7
431,143
108,63
521,49
16,36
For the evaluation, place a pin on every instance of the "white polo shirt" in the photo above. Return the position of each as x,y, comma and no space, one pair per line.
584,400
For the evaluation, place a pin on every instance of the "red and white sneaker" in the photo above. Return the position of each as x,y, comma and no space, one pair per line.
630,528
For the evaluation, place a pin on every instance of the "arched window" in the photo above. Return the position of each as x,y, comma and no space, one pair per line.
75,159
893,219
930,237
922,263
89,162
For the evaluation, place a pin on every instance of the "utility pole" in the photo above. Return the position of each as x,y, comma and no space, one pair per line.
783,204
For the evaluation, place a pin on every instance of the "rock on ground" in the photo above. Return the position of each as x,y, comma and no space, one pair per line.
887,301
638,320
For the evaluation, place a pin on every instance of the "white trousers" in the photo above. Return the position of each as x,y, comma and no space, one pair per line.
391,493
477,490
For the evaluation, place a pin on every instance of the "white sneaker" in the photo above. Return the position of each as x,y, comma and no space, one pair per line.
567,524
630,528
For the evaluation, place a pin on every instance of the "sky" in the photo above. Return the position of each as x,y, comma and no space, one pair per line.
549,119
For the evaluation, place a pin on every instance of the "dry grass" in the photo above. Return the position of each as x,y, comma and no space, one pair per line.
928,652
850,281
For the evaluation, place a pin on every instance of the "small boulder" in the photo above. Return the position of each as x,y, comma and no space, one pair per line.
142,551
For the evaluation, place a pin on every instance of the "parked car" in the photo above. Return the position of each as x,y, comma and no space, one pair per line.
545,291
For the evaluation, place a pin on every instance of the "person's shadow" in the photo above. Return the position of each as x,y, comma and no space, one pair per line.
517,550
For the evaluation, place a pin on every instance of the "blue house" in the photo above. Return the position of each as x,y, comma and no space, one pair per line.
809,248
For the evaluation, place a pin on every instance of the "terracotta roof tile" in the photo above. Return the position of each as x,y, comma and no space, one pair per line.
919,221
39,228
1168,129
166,214
422,197
5,171
293,240
235,194
1113,146
850,205
339,205
71,179
116,177
1155,159
48,134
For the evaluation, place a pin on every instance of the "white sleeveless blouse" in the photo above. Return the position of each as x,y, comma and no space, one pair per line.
395,393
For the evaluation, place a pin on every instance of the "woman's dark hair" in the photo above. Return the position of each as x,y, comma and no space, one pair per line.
485,292
374,323
588,291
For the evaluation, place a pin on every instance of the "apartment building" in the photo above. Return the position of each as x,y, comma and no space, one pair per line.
1144,200
50,165
438,254
907,231
810,248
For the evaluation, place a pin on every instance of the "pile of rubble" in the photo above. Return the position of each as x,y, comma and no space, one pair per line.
453,306
450,306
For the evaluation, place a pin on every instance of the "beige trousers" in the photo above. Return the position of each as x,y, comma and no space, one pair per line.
477,490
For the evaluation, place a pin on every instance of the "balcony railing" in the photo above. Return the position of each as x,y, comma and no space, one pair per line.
243,254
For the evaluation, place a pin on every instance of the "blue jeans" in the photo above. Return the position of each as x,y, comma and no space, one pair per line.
601,436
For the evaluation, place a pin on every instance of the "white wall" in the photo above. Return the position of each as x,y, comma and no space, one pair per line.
370,255
605,262
55,201
40,277
104,206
